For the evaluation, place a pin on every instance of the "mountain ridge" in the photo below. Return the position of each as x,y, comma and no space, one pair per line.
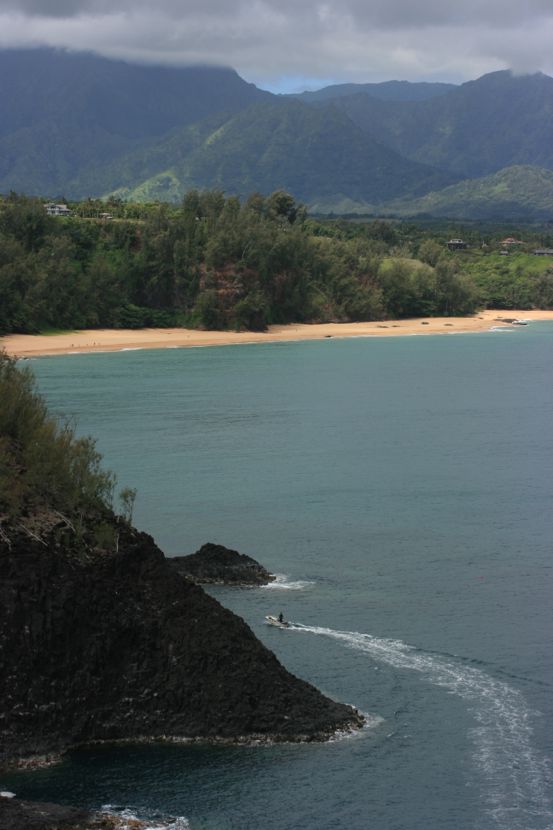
80,125
384,91
317,154
518,192
473,130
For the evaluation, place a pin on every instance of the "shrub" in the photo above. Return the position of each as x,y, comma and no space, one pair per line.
43,465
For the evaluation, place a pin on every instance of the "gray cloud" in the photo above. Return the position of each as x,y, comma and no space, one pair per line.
270,39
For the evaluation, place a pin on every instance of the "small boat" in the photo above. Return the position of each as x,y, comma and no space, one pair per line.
276,621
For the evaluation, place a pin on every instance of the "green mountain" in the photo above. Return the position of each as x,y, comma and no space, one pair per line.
385,91
518,192
81,125
317,154
66,113
478,128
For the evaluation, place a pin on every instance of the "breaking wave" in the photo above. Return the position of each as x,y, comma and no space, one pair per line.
517,777
282,583
150,822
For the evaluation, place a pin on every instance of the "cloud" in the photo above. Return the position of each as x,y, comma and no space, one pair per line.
267,41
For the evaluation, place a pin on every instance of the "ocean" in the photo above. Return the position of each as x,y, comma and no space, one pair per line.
402,489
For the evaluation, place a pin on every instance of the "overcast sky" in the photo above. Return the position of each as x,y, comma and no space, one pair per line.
287,45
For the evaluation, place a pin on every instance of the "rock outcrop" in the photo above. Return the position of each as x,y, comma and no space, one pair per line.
25,815
30,815
110,646
218,565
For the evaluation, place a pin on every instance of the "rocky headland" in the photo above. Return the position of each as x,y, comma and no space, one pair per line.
218,565
111,644
101,639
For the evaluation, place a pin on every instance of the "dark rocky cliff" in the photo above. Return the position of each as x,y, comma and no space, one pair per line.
117,646
218,565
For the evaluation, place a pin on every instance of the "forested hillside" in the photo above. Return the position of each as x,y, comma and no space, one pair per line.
81,126
319,155
66,114
514,192
473,130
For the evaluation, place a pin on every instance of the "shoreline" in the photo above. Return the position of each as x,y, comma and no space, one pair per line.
114,340
357,724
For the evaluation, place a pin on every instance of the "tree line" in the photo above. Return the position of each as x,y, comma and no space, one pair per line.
217,263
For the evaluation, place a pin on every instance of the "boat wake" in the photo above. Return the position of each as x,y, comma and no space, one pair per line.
281,583
517,777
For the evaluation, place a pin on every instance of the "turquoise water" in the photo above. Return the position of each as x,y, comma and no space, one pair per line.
403,488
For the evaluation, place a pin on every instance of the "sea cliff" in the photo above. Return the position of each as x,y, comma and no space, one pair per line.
114,645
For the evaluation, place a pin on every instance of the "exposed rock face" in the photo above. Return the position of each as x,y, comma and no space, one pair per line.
27,815
111,646
24,815
218,565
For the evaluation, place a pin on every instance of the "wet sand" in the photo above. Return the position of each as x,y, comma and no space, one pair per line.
109,340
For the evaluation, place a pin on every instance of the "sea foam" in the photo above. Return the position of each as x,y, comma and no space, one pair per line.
282,583
516,776
150,822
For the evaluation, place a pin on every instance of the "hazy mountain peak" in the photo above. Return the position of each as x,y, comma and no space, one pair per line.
80,124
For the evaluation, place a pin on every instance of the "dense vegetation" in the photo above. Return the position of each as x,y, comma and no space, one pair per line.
211,262
216,263
43,465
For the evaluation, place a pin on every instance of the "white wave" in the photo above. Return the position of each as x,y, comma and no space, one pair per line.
371,722
84,351
131,815
517,776
131,349
502,328
281,583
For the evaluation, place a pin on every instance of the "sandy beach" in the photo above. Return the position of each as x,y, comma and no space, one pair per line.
104,340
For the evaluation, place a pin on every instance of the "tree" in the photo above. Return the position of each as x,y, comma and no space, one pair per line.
281,204
127,497
250,313
26,220
430,252
209,310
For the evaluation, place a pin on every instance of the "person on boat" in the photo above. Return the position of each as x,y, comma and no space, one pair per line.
281,617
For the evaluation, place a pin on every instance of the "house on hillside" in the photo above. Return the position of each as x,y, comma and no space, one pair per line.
543,252
456,244
57,210
510,243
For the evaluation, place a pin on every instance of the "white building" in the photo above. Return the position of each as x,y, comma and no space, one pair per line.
57,210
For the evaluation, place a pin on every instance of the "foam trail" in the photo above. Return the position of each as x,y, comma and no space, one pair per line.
281,582
517,776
